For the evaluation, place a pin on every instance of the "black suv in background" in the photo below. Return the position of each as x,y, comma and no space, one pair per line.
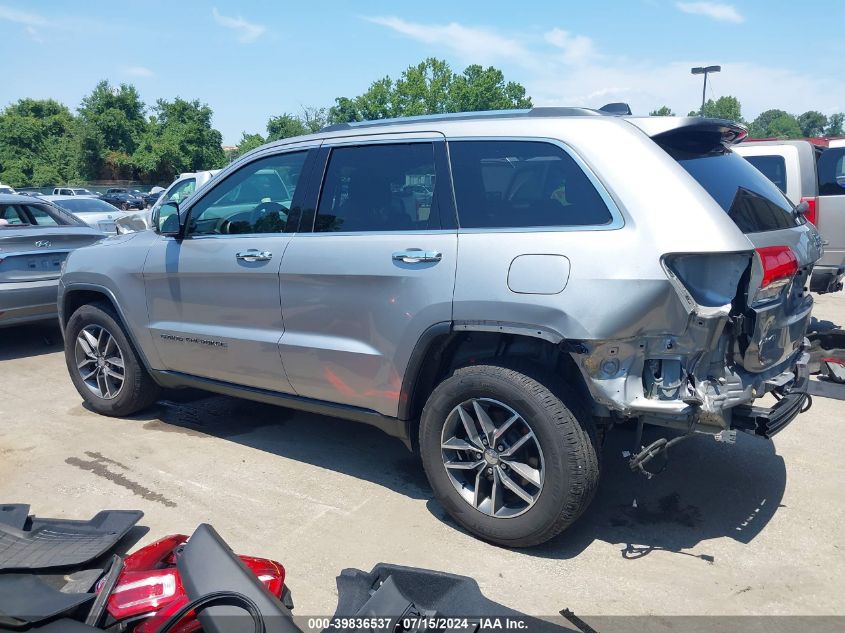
123,199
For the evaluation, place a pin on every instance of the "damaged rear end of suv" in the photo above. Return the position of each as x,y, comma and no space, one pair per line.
741,335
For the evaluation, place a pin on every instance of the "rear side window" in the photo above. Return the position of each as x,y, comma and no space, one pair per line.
752,201
386,187
831,168
508,184
772,167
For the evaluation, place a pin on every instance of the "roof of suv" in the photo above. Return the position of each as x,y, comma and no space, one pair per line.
501,122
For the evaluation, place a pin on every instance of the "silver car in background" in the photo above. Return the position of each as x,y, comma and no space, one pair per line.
94,212
497,290
35,239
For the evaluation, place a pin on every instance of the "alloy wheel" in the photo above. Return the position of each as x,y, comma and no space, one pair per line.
492,457
99,361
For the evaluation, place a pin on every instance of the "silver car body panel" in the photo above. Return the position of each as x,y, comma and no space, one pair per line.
343,320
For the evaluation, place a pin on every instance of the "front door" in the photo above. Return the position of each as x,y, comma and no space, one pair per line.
213,297
375,272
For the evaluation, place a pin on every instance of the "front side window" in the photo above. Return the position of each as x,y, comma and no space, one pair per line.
508,184
254,199
387,187
831,169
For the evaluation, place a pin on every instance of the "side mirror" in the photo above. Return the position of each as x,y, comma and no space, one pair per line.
801,208
166,219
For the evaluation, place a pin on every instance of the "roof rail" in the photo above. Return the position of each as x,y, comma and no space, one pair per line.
536,112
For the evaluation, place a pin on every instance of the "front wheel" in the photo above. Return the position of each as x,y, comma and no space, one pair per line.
511,457
103,364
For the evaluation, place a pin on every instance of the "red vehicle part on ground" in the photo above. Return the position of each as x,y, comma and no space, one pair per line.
149,589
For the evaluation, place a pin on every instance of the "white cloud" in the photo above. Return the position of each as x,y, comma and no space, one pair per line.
247,32
576,48
475,44
138,71
564,68
714,10
11,14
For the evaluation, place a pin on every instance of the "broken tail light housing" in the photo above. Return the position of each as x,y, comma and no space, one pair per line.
149,585
779,266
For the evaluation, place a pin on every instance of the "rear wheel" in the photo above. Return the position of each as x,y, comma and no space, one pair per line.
511,458
103,364
124,206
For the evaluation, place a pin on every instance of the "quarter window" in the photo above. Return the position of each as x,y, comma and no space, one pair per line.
254,199
506,184
387,187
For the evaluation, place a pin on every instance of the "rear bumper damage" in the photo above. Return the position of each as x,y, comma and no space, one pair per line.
685,383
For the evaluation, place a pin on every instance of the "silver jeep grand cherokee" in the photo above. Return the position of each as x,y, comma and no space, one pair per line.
495,289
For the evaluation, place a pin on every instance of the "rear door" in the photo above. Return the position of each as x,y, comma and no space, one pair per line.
776,304
213,297
370,271
831,204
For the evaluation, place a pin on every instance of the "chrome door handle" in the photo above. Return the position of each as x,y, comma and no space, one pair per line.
254,255
417,256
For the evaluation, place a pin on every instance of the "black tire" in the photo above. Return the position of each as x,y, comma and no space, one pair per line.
565,432
138,391
124,206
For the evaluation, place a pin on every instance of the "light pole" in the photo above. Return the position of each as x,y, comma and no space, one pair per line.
704,70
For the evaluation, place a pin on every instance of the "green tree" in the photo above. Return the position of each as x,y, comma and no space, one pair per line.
812,123
726,107
662,111
249,142
480,88
179,138
835,125
36,143
775,123
284,126
431,87
117,115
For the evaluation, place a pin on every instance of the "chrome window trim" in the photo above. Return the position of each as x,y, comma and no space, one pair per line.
617,219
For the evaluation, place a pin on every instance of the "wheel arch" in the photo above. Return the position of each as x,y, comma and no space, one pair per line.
76,295
442,348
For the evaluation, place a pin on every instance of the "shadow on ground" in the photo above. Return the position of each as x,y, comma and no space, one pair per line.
26,341
707,491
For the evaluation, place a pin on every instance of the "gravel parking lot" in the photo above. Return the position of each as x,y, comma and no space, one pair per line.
750,528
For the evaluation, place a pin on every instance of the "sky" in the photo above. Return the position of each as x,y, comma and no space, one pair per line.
250,60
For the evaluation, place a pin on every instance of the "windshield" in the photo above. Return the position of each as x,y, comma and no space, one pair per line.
752,201
86,205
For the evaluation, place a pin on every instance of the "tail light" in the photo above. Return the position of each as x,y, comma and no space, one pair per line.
779,266
149,584
139,592
810,215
